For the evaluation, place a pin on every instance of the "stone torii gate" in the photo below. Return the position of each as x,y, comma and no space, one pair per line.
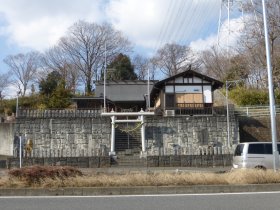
114,120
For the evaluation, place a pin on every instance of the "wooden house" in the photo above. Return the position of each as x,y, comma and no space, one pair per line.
187,93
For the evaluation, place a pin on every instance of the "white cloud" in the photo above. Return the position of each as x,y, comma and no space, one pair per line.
151,24
226,37
204,44
139,19
38,24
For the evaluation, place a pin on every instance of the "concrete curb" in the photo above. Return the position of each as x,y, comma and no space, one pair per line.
90,191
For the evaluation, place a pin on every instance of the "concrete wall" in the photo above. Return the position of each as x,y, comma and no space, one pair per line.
6,139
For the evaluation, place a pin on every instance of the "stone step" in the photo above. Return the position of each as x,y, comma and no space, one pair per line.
129,161
127,141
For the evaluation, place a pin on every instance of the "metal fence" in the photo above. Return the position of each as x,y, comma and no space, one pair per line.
254,111
80,162
217,110
58,113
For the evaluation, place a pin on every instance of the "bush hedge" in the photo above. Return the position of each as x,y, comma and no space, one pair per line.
243,96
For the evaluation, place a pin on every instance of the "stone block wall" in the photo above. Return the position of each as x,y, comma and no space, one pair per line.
6,139
190,135
86,136
66,137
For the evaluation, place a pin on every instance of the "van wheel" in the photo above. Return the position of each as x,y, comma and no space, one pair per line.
260,168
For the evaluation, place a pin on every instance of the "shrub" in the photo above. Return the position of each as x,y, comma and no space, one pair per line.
243,96
35,174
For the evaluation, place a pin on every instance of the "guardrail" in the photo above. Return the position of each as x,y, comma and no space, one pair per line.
254,111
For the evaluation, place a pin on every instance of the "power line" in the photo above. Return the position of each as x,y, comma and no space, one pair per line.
185,19
160,36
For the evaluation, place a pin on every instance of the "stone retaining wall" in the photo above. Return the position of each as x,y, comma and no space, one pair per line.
106,161
80,135
6,139
190,135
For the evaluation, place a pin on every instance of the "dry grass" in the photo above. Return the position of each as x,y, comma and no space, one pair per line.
148,179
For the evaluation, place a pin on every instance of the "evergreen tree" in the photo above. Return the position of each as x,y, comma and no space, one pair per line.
60,97
121,69
53,91
48,86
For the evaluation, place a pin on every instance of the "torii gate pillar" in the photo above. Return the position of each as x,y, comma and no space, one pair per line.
112,150
114,120
143,152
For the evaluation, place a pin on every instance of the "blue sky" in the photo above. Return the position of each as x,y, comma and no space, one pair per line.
38,24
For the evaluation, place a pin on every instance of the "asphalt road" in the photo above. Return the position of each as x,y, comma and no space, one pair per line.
234,201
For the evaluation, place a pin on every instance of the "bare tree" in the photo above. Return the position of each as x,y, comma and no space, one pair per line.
85,46
173,58
223,66
24,68
55,60
141,66
215,63
253,38
4,83
248,60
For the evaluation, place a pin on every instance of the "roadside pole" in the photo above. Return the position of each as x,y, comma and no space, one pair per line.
271,94
20,151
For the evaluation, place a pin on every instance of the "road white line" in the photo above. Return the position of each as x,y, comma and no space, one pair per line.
150,195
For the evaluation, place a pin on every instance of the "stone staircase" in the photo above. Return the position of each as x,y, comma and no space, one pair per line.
127,141
128,148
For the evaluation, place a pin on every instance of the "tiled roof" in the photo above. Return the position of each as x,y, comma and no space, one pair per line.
125,90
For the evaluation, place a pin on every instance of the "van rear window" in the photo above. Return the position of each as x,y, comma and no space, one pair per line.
239,150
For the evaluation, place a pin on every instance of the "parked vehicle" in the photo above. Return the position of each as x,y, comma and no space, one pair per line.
254,155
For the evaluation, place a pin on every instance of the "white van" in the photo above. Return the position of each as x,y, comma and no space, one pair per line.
254,155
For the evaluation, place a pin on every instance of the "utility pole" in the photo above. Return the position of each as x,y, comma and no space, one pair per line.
104,75
148,91
228,84
271,94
